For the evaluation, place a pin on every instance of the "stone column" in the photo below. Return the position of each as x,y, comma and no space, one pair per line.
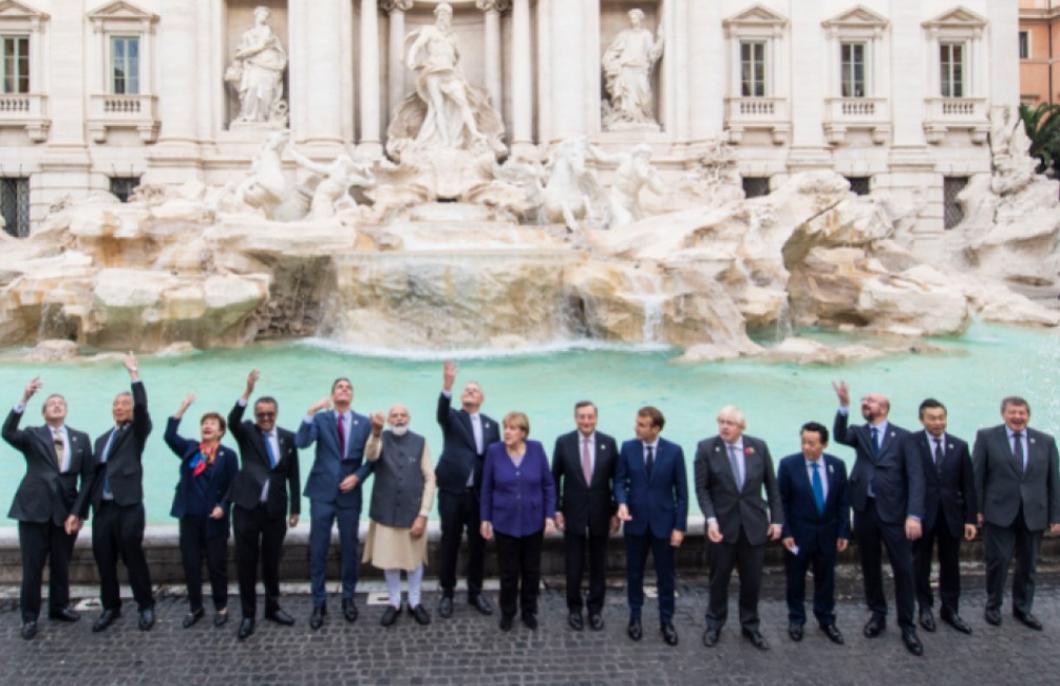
567,41
395,67
522,80
321,26
807,97
492,9
370,142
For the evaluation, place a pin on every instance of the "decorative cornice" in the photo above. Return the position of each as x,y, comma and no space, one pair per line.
396,5
495,5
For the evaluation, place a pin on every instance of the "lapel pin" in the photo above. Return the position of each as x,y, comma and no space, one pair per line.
950,446
1032,440
717,449
831,469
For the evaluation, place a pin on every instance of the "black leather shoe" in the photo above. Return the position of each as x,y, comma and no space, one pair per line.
64,614
912,643
992,617
756,638
875,626
711,636
147,619
833,633
349,610
530,621
316,620
1028,620
445,607
954,620
669,634
482,604
29,629
795,632
575,621
596,621
506,622
635,631
106,618
390,615
246,628
192,617
280,616
420,614
927,620
220,617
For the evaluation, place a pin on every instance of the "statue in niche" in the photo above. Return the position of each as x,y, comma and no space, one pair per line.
445,112
256,73
332,192
628,63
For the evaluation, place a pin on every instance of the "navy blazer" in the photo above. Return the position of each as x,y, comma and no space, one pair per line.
897,477
517,500
217,478
329,468
813,531
256,469
950,485
660,503
459,456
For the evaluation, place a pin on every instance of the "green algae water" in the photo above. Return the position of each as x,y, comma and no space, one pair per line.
979,368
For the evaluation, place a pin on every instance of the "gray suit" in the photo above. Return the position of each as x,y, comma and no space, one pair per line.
1017,505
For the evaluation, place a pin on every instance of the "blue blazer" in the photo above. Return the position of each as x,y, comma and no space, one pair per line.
812,531
660,504
217,479
329,468
897,476
517,501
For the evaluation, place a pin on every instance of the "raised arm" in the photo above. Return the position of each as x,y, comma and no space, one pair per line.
176,443
11,433
840,430
141,421
373,447
445,398
235,415
307,429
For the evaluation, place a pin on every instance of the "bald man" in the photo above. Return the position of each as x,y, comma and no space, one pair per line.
887,495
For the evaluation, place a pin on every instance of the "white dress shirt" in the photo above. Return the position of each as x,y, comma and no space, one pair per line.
822,470
64,435
1023,440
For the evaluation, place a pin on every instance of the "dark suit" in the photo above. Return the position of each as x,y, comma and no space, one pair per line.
118,521
658,505
897,482
949,504
743,520
1017,506
458,503
587,510
816,533
260,527
44,499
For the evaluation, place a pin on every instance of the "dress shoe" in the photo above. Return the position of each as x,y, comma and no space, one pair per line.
875,626
575,621
445,607
1028,620
530,620
220,617
246,628
192,617
420,614
596,621
482,604
756,638
912,643
711,636
29,629
992,617
349,610
280,616
64,614
927,620
634,630
506,622
147,619
795,631
833,633
669,634
954,620
106,618
316,620
390,615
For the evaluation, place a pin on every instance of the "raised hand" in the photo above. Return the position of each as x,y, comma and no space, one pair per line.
842,392
132,366
322,404
252,380
184,405
377,423
31,389
448,375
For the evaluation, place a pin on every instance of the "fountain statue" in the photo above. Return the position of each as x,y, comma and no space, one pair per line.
256,74
332,192
634,173
628,63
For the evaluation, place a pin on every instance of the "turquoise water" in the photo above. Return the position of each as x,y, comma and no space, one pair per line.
981,367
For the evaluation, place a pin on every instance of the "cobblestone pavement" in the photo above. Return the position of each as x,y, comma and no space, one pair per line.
469,649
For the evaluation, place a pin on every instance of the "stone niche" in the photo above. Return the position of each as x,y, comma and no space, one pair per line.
239,16
614,18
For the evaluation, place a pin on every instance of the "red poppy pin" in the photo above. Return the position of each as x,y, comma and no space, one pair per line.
748,451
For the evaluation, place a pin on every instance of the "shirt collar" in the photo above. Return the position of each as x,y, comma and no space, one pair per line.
591,437
810,463
654,446
932,438
1011,433
738,443
881,426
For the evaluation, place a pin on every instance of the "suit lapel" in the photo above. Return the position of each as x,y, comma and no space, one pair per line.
469,433
601,457
721,451
44,435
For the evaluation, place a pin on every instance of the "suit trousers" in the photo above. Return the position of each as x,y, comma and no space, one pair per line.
460,512
196,543
258,535
637,549
574,548
949,566
747,559
1000,543
40,543
822,562
322,517
870,533
118,531
519,562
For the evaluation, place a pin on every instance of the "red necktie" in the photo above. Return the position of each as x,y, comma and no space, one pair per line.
342,437
587,463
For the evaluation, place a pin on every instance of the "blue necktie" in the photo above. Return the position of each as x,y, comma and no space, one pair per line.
818,488
875,433
268,448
